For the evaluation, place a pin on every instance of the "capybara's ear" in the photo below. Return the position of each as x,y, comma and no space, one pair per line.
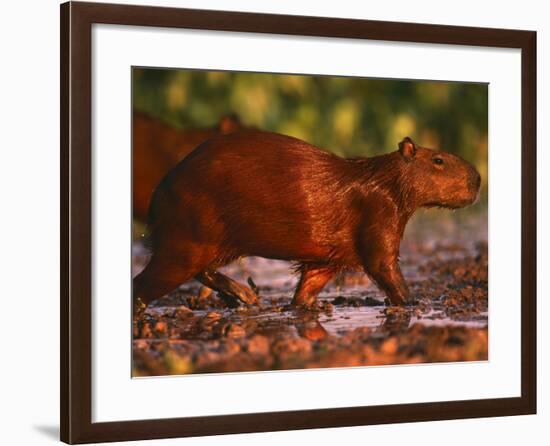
407,148
229,124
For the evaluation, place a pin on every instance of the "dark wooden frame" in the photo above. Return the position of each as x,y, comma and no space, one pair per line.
76,221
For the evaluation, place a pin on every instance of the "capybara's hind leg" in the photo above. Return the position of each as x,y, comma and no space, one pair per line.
312,281
227,286
162,275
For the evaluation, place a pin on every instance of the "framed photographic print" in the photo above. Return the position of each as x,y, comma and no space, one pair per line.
280,222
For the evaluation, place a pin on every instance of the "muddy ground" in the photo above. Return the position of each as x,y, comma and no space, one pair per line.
444,261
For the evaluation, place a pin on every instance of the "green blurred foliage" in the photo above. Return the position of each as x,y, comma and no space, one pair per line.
346,115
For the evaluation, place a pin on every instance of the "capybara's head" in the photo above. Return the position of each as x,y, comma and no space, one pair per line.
439,178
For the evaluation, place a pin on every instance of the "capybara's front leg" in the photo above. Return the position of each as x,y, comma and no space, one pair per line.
389,278
380,257
312,280
225,285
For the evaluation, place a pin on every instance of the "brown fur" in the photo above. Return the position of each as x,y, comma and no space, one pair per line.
158,147
262,194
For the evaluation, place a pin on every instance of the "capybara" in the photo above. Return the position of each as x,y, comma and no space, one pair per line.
158,147
256,193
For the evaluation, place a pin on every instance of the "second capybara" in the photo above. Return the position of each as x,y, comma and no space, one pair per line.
157,147
256,193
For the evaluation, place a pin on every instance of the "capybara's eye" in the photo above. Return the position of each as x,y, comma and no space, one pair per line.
438,161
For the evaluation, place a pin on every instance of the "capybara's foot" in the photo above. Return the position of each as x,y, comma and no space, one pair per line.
395,302
228,287
304,304
244,294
